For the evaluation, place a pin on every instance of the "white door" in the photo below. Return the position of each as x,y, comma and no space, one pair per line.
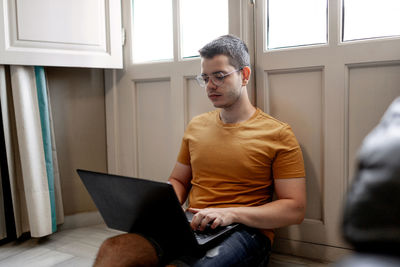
332,93
152,99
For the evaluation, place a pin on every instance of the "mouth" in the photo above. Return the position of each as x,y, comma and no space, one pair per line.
214,95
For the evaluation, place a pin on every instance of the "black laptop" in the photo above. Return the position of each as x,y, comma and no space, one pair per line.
151,208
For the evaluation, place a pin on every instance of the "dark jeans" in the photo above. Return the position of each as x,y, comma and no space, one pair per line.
245,247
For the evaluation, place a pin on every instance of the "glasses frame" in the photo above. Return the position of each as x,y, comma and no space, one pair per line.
217,81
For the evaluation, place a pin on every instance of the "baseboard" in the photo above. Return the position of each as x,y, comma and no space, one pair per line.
82,219
310,250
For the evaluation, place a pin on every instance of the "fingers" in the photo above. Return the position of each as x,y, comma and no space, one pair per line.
200,220
213,216
217,222
196,219
209,218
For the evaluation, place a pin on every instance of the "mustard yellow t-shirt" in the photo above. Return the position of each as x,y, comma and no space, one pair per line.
235,164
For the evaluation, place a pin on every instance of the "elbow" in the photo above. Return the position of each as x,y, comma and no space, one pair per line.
300,214
299,220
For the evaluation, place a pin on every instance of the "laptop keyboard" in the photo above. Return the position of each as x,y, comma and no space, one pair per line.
207,232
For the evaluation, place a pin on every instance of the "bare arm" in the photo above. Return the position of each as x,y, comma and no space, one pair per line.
288,209
180,179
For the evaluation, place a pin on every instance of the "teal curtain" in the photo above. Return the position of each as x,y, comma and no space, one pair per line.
46,136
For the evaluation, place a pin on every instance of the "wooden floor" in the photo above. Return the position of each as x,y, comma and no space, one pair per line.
78,247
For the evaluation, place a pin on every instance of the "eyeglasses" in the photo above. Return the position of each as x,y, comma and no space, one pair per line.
216,78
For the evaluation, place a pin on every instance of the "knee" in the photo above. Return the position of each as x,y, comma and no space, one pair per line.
126,250
111,245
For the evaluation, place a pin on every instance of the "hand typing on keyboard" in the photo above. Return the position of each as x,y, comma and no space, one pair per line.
213,217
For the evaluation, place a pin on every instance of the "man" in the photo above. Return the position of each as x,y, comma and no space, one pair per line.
230,161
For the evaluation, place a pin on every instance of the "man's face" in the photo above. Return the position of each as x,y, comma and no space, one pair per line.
227,94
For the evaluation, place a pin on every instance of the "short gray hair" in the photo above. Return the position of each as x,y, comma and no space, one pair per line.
231,46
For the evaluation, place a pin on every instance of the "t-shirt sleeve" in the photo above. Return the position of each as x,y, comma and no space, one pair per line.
184,154
288,162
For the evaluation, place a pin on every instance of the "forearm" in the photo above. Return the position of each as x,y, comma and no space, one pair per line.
276,214
287,210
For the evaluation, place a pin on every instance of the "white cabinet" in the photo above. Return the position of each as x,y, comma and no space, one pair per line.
75,33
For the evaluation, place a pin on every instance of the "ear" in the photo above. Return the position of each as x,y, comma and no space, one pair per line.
246,75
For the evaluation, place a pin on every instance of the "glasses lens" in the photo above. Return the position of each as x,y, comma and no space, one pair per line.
218,81
200,81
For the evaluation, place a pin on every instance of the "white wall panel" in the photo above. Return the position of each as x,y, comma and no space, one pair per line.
154,114
296,98
371,90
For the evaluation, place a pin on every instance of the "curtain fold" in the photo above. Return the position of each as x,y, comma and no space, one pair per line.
3,229
11,167
56,171
31,154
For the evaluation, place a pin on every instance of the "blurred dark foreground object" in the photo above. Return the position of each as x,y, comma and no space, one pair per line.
371,218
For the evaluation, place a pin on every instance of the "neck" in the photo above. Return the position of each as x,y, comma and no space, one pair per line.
242,110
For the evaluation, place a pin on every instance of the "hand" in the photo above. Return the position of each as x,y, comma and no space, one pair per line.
215,216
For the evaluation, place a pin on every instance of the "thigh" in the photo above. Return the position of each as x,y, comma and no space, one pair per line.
246,247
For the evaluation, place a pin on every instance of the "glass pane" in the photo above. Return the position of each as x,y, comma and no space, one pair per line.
296,23
152,30
201,22
370,19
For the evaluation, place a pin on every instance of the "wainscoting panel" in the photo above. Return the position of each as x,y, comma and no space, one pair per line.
371,89
154,116
296,98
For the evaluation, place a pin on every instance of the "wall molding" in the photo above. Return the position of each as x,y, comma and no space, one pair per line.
310,250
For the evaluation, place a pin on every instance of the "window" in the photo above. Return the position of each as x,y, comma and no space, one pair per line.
153,26
152,30
201,22
293,23
365,19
